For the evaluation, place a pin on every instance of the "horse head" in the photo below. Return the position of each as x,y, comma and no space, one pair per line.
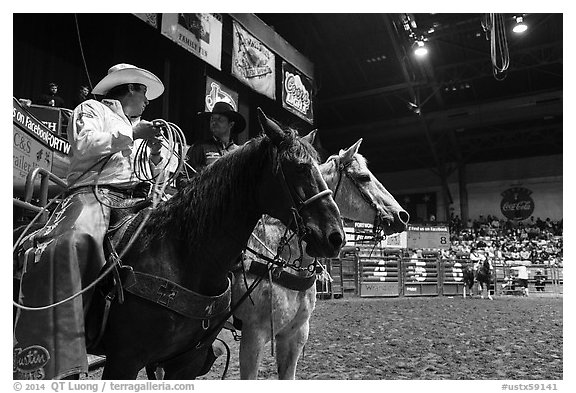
358,191
301,198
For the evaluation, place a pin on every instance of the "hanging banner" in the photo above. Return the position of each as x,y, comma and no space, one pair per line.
35,146
22,118
252,62
200,34
49,116
216,92
151,19
297,92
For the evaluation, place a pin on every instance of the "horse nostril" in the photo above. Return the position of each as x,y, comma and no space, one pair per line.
403,216
336,240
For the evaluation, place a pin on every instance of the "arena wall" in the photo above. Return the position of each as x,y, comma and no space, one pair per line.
485,184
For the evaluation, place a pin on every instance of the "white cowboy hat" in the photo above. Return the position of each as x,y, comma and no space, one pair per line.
123,73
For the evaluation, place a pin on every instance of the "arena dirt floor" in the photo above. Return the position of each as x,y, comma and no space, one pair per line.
424,338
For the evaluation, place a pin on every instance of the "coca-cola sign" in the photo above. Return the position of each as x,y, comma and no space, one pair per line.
517,204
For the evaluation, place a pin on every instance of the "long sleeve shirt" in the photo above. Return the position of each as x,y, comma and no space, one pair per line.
97,130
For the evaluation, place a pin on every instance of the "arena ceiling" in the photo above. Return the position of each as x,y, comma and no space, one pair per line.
445,109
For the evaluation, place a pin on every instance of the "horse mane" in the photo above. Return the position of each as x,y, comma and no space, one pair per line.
202,203
200,207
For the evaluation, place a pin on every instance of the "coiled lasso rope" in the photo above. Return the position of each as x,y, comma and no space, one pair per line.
173,141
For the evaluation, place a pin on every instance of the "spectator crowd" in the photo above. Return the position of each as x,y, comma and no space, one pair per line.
532,242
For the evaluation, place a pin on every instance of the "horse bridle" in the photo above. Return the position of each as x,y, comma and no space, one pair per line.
297,205
378,226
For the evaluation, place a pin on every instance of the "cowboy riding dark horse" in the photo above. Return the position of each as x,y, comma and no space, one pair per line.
185,251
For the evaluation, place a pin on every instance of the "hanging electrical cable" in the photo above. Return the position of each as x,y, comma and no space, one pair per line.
82,52
495,29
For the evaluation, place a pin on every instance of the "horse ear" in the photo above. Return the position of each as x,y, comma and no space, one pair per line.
311,137
270,128
347,155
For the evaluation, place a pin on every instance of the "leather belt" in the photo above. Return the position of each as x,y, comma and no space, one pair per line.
134,192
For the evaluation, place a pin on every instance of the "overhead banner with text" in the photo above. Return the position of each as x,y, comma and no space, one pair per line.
252,62
201,34
35,146
297,92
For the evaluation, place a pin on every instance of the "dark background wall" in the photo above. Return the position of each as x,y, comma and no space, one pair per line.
71,49
54,47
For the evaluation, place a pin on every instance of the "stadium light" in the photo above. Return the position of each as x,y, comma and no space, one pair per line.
420,49
520,26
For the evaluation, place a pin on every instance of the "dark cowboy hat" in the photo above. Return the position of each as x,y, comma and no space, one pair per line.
223,108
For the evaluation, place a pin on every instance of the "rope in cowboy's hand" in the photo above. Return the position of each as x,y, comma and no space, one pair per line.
173,141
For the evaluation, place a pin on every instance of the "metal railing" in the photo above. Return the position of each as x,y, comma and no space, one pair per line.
389,273
46,178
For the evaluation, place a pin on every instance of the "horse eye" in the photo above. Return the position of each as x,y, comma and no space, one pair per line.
363,178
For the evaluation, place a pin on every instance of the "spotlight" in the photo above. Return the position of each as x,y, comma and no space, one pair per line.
414,108
420,49
520,26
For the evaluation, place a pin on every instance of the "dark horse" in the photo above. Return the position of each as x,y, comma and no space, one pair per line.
194,238
483,276
180,289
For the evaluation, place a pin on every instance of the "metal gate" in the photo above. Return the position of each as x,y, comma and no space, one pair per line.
380,273
344,273
420,275
452,273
